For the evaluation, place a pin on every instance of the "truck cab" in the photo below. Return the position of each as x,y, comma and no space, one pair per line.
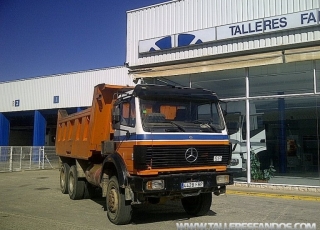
167,119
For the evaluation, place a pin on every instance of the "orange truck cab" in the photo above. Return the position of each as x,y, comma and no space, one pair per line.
145,144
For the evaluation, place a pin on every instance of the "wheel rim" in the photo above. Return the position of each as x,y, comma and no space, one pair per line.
113,200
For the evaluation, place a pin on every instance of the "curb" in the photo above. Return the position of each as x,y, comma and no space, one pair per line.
274,195
281,189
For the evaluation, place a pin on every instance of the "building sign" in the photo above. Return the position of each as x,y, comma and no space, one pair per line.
267,25
231,31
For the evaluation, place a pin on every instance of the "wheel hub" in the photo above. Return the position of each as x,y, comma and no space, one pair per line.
113,200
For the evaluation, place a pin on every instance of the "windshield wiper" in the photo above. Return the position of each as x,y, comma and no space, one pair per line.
203,122
172,130
214,128
179,126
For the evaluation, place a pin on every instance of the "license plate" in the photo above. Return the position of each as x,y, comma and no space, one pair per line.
193,184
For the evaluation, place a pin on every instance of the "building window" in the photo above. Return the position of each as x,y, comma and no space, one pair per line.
288,78
55,99
16,103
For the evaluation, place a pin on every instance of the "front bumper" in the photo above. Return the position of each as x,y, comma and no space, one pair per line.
172,183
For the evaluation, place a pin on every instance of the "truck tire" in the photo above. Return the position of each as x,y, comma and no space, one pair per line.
197,205
64,174
75,186
117,210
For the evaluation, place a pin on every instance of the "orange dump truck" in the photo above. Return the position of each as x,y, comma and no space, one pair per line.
145,144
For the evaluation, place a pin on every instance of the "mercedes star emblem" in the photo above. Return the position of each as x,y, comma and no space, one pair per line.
191,155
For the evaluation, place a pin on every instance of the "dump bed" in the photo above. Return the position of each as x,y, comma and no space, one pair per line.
79,135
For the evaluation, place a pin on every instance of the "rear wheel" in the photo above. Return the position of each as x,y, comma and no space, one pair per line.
75,186
197,205
64,172
117,210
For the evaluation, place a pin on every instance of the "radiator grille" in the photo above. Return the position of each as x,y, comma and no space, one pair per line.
175,156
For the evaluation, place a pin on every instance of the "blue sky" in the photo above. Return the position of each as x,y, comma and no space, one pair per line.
45,37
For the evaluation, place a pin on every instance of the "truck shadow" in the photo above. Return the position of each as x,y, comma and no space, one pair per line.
152,213
159,213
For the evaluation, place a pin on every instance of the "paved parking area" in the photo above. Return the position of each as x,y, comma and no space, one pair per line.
32,200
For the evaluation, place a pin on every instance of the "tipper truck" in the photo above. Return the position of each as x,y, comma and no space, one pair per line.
147,143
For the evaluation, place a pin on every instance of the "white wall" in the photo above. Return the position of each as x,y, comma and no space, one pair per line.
73,89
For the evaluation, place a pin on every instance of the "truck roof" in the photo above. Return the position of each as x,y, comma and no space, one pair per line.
174,91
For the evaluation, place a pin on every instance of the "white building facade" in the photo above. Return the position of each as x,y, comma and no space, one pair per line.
262,57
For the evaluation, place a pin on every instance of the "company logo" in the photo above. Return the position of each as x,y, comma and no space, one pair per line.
169,42
162,44
191,155
177,40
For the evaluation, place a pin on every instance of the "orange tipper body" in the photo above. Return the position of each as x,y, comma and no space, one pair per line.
145,142
79,135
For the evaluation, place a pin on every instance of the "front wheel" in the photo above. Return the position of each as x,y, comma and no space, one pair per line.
197,205
117,210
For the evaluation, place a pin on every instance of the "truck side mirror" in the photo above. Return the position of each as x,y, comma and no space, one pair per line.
116,118
232,127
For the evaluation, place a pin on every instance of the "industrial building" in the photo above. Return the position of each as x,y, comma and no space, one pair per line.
28,107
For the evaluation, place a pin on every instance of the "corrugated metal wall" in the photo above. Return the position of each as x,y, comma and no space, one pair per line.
73,89
188,15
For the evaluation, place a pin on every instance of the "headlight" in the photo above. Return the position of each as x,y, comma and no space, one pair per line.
155,185
222,179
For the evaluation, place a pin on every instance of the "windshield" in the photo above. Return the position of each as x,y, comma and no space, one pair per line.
181,115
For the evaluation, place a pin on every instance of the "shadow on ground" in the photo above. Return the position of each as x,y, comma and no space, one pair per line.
152,213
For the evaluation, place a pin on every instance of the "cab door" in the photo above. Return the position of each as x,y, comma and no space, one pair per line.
125,136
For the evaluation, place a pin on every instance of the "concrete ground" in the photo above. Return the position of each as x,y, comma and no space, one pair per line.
33,200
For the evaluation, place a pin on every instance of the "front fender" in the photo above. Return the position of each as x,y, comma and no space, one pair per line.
115,161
